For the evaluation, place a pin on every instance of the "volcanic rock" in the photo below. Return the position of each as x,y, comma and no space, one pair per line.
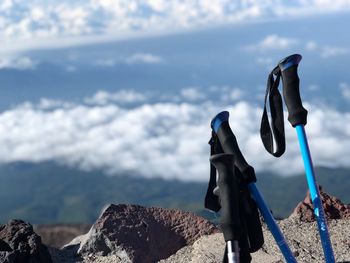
19,243
333,208
138,234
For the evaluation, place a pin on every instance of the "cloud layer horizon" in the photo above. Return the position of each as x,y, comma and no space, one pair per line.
128,132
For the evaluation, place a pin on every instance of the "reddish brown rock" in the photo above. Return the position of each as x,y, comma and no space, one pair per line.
138,234
333,208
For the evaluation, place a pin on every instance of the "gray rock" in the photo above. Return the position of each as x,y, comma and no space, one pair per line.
210,249
19,243
302,237
137,234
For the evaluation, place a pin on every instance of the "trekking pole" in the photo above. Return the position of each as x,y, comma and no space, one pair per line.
230,220
297,116
221,128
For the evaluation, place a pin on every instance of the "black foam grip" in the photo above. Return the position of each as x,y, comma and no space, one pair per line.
249,214
229,144
229,196
297,114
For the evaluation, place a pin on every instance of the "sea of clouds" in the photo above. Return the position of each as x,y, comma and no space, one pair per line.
155,136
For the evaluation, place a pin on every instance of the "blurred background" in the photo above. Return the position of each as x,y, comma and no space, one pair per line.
110,101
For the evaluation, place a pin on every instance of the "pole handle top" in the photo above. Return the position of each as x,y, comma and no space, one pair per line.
219,119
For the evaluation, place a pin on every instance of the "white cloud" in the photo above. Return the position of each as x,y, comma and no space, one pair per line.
20,63
121,97
158,5
159,139
59,23
332,4
105,62
136,58
313,87
192,94
71,68
264,61
326,51
267,62
233,94
236,94
271,42
143,58
6,5
73,20
345,90
311,45
275,42
227,93
49,104
331,51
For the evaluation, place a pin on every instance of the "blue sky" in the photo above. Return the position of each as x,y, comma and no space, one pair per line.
87,83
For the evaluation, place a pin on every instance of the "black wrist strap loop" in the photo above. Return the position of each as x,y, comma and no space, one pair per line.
275,131
211,200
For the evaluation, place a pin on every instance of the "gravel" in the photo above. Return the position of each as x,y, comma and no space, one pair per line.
302,237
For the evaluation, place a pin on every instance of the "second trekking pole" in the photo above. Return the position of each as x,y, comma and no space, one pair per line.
297,116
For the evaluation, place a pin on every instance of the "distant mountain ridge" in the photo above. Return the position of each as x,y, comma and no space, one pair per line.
50,193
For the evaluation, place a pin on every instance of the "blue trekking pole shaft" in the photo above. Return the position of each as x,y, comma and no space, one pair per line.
297,116
271,223
229,144
315,194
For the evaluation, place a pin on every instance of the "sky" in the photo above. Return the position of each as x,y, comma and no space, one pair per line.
131,86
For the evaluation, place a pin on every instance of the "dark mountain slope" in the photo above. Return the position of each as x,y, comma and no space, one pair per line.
50,193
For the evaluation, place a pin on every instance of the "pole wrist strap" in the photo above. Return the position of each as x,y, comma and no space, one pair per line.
273,132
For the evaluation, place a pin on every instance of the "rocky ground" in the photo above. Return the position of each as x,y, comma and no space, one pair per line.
302,238
131,233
